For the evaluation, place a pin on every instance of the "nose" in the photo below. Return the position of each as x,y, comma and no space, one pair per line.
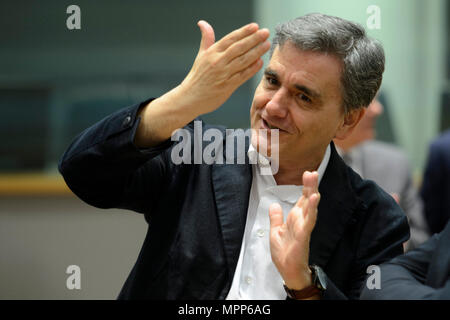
278,104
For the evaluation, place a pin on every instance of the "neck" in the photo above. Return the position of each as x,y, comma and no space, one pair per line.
291,172
343,145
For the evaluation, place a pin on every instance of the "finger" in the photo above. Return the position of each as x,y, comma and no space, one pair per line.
312,211
306,184
314,181
301,201
241,47
208,37
295,217
240,77
310,183
275,215
306,191
240,63
313,203
236,35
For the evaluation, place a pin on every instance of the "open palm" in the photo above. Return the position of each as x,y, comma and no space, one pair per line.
289,242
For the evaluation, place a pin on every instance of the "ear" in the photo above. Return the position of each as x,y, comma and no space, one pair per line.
351,119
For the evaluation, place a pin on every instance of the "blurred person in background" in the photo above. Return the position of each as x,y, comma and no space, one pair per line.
435,190
388,166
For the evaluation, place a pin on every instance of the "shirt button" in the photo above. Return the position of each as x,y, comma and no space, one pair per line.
248,280
260,233
126,121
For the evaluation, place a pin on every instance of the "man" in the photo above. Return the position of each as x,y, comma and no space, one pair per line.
423,273
436,184
211,235
388,166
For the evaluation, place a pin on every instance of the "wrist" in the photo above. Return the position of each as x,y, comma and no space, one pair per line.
188,100
313,291
300,280
162,116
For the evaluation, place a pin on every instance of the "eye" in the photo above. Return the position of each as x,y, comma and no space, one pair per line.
304,97
272,81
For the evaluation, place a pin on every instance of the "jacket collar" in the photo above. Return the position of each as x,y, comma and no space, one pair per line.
337,205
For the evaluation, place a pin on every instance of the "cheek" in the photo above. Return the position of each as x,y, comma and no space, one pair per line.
298,120
261,98
258,103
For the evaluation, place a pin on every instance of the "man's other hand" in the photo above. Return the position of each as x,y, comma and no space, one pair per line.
289,242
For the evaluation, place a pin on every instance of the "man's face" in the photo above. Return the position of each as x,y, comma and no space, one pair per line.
300,94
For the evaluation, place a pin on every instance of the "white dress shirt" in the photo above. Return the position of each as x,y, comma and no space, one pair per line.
256,277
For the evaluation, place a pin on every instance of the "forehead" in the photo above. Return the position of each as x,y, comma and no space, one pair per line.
316,70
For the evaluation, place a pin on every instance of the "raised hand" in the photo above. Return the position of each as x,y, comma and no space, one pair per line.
221,67
218,70
289,242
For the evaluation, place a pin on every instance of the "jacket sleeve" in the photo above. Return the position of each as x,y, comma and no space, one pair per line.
404,276
105,169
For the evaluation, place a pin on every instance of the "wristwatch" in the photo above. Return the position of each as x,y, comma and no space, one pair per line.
318,286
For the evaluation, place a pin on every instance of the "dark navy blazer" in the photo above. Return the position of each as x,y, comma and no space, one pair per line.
436,184
196,214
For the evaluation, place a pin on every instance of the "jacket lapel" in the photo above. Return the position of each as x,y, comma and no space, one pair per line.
231,184
337,205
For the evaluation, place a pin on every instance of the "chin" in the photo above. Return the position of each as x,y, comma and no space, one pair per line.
265,144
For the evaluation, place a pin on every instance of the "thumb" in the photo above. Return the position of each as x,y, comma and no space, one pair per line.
208,37
275,215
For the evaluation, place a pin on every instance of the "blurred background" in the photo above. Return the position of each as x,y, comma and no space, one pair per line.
55,82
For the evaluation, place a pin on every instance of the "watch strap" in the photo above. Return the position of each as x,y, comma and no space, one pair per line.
317,287
304,293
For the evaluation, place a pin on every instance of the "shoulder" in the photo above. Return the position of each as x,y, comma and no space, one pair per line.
384,151
444,138
441,143
368,191
439,151
378,208
371,197
383,224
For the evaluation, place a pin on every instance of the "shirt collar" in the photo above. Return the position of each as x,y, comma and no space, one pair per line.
257,158
260,160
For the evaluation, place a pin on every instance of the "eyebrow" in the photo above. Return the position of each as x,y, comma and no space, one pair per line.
308,91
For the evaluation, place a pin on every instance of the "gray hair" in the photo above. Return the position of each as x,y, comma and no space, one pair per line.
362,58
